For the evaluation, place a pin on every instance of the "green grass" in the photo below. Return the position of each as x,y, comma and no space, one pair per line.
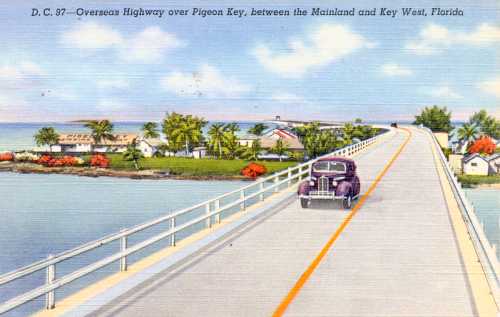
471,180
193,167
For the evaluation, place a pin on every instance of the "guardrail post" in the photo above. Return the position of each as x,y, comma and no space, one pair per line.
50,297
172,236
242,197
276,180
208,221
289,177
123,247
300,174
217,207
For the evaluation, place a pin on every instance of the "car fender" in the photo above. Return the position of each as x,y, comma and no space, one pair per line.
343,188
304,188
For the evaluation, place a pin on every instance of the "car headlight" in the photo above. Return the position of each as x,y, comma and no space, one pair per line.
311,183
334,183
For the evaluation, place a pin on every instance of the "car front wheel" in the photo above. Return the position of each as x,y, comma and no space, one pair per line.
304,202
347,202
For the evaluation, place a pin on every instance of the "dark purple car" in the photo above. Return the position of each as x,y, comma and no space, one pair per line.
331,178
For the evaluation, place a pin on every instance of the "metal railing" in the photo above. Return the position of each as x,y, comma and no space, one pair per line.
213,210
485,251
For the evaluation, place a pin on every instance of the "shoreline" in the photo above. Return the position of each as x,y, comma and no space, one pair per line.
28,168
484,186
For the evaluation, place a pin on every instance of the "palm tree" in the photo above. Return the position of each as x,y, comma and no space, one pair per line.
100,130
150,130
216,133
231,147
467,134
133,154
258,129
46,136
252,152
280,148
188,131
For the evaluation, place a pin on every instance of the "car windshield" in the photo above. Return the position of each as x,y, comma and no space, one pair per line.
326,166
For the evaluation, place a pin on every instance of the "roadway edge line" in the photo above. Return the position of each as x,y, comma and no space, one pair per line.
280,310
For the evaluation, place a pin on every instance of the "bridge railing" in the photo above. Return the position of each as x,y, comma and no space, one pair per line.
485,251
258,191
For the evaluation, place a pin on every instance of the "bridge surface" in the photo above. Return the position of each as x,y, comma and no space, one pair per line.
398,255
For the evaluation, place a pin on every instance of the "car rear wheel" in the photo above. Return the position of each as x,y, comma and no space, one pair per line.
347,202
304,202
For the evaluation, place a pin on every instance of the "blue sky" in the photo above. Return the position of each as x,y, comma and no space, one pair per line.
250,68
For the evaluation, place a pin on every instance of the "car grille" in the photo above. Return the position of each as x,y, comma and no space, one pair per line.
323,184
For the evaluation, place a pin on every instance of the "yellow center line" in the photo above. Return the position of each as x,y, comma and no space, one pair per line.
280,310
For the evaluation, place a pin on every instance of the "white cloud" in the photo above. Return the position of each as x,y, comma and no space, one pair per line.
435,38
117,83
208,81
286,97
326,44
91,35
395,70
491,86
443,91
147,46
23,74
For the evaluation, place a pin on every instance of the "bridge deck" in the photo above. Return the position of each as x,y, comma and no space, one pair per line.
397,257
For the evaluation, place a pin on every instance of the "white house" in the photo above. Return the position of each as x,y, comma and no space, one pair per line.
84,143
247,139
148,147
476,164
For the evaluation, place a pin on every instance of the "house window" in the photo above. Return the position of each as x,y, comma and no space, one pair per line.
473,164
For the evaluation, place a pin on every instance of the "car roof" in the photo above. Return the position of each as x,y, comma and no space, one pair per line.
336,159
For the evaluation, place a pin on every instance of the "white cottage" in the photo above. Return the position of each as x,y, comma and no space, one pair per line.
476,164
148,147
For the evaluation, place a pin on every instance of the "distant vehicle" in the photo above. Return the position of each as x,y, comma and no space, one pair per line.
394,125
332,178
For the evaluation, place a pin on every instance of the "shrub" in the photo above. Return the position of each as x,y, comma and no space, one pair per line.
253,170
483,145
7,156
67,160
45,159
99,160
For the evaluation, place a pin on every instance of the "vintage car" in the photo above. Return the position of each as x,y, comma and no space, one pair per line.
331,178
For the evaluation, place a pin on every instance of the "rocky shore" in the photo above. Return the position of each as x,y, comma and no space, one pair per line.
29,168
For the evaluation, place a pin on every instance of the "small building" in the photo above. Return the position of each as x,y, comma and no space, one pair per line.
84,143
247,139
282,133
148,147
199,152
476,164
291,143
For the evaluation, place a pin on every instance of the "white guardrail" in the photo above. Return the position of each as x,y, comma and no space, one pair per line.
485,251
213,210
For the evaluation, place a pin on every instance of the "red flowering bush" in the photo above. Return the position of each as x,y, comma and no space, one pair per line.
7,156
253,170
45,159
483,145
99,160
50,161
